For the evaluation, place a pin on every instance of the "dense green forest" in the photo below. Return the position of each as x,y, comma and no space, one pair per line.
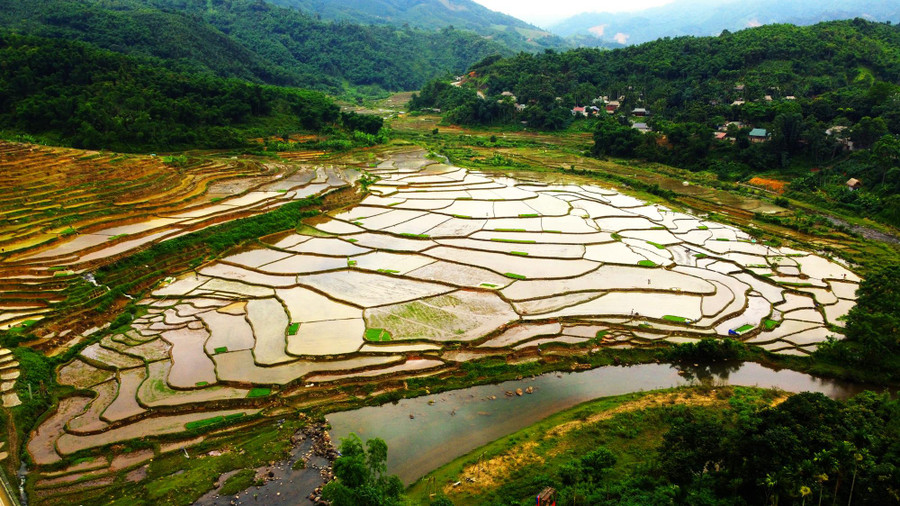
255,40
72,93
797,83
807,450
433,15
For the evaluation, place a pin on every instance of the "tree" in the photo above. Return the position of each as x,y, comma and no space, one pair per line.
886,152
865,133
874,324
360,475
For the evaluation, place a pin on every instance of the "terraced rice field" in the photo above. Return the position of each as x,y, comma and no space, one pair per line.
438,265
64,212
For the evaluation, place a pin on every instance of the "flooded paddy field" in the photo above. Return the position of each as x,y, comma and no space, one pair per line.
74,210
437,266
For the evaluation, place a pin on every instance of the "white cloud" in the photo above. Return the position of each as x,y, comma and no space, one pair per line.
543,13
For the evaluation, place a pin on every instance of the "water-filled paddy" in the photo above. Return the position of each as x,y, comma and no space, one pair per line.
438,266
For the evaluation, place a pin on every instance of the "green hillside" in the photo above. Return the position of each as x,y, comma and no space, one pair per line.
74,94
254,40
433,15
809,91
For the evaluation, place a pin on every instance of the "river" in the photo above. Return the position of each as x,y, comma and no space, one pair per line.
446,425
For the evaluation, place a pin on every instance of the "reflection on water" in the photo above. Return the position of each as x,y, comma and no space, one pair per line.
427,432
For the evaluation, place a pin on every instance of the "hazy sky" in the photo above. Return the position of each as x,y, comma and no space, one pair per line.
545,12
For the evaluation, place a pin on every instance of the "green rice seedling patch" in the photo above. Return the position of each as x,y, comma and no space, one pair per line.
701,255
702,227
259,392
293,328
676,319
723,239
377,335
416,236
770,324
351,263
514,275
220,349
509,229
616,237
744,328
519,253
388,271
529,215
646,263
352,240
657,245
462,216
514,241
202,383
488,285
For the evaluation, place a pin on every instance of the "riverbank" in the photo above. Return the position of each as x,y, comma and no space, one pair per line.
545,445
677,445
425,432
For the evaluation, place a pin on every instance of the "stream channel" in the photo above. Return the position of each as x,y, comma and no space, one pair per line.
459,421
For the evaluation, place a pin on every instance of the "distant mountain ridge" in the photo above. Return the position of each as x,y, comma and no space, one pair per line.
432,15
710,17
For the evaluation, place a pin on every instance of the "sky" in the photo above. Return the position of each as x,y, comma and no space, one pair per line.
546,12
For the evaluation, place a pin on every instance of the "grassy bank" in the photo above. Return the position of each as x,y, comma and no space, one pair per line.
514,468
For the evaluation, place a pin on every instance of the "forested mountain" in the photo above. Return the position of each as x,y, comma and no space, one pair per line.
74,94
710,17
810,92
254,40
433,15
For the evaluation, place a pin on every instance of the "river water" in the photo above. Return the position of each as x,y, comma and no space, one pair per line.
447,425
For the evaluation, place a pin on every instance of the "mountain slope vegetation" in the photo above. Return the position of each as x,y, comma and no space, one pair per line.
74,94
809,92
254,40
433,15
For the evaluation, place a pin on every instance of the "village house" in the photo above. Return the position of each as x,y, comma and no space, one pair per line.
642,128
840,134
759,135
854,184
613,106
640,112
579,110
